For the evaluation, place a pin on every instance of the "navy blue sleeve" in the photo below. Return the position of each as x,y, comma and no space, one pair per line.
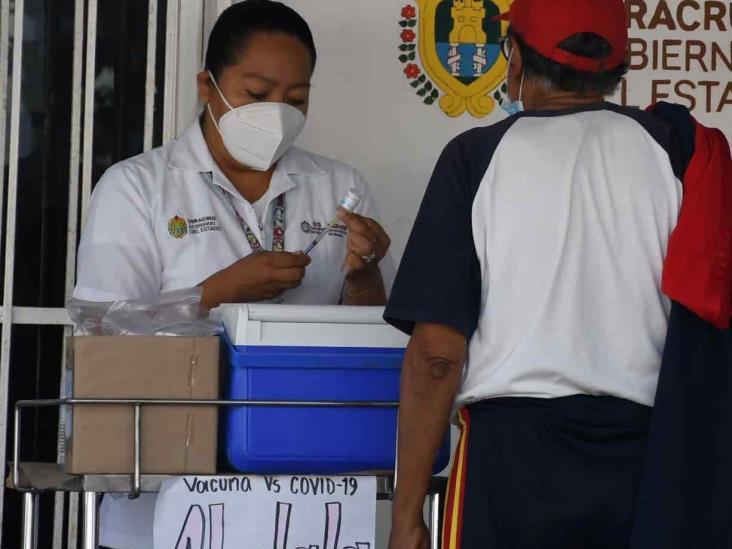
439,278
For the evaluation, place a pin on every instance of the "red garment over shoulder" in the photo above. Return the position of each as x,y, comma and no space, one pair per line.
698,268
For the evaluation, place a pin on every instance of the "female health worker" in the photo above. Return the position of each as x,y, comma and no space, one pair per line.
230,204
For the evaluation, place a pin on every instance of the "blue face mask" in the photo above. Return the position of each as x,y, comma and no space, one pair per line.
514,107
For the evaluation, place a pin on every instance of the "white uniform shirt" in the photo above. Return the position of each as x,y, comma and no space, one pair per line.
159,222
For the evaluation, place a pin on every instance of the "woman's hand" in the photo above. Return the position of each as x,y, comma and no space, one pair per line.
259,276
409,536
367,244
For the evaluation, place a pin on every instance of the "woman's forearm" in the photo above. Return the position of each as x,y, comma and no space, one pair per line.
365,289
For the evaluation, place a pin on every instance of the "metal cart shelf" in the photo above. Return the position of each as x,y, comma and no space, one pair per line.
33,478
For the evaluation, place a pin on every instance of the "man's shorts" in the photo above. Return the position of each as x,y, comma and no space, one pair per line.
546,474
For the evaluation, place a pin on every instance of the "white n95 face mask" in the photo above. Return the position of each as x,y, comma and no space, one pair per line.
258,134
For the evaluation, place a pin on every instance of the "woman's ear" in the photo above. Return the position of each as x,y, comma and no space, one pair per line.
204,86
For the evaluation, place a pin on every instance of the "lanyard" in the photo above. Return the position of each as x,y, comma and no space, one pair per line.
278,224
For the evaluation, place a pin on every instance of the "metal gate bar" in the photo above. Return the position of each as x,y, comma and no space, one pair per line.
89,89
72,228
150,71
10,225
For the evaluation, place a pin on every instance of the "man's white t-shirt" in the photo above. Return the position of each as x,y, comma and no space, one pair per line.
161,221
544,238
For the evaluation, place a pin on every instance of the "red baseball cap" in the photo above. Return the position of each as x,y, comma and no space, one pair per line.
544,24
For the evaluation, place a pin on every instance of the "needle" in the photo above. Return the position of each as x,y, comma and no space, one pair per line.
320,236
349,203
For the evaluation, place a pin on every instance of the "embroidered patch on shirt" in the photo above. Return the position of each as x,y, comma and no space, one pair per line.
177,227
199,225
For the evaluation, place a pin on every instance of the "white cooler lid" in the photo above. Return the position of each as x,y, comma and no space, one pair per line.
255,324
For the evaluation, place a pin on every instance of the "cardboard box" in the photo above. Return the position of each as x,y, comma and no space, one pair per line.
175,440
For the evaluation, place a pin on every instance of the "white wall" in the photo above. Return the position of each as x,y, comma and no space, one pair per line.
365,113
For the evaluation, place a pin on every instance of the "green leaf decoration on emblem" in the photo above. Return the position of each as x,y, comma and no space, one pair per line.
403,58
422,92
404,47
412,23
428,86
412,56
434,94
415,84
421,79
403,23
429,100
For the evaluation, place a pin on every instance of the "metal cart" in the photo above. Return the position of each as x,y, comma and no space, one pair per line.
32,478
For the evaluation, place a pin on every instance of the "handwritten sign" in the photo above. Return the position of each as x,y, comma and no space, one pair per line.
251,512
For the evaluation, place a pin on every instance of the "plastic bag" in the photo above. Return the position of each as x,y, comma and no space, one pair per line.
177,313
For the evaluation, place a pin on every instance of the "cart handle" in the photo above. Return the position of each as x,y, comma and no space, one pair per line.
138,403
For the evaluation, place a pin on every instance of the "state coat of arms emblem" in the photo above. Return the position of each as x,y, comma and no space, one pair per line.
177,227
451,53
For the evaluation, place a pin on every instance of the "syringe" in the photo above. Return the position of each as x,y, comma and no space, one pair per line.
349,203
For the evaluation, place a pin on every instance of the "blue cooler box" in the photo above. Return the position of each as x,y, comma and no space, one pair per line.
283,352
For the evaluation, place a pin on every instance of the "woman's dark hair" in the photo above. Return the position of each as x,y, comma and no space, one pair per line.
238,23
583,83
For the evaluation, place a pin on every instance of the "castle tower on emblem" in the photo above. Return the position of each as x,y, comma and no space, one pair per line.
468,17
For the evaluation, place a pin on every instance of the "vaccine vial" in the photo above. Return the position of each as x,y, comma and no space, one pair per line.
350,201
